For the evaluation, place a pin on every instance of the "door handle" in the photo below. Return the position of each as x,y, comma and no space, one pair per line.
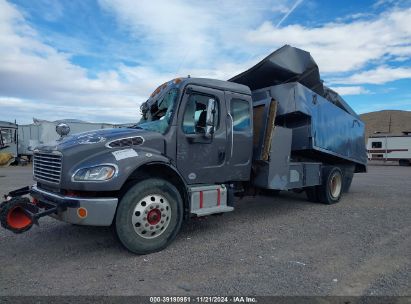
221,156
232,134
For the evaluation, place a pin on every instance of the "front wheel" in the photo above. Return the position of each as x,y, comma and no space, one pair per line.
149,216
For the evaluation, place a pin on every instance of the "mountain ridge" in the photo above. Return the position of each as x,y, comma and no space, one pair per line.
386,121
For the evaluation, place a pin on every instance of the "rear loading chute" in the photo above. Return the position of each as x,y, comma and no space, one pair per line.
290,64
287,64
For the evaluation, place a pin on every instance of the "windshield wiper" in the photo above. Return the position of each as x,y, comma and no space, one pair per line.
136,126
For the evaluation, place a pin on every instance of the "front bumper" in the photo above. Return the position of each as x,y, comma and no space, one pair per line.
100,211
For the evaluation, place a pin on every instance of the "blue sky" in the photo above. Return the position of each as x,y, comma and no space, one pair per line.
98,60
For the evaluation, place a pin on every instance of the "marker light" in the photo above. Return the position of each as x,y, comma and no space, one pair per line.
82,212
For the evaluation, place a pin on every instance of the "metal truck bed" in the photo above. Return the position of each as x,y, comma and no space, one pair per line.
317,124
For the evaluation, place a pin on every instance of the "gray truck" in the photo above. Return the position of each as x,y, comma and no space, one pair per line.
199,144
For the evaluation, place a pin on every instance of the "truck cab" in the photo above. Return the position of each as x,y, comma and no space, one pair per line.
194,140
203,122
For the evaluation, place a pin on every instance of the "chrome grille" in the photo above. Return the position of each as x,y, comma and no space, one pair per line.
47,167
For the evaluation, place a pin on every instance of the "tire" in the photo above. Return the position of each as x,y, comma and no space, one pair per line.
348,176
330,191
347,183
404,162
149,216
298,190
312,194
270,192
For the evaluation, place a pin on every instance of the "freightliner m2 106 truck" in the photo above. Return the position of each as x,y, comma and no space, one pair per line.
199,144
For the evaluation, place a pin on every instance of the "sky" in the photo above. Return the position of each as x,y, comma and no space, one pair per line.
98,60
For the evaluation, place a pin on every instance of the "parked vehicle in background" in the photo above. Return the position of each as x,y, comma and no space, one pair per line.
44,131
389,147
8,142
200,142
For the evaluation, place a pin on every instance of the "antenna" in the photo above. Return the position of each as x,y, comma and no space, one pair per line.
183,60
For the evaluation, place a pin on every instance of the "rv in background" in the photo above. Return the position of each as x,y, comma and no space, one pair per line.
388,147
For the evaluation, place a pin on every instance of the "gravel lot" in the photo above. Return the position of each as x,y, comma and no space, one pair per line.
279,245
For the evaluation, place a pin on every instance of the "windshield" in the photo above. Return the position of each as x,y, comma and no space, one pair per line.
157,116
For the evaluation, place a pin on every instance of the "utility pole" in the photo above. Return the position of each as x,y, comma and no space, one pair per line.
389,125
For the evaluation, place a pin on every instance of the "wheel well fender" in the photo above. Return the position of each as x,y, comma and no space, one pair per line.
159,170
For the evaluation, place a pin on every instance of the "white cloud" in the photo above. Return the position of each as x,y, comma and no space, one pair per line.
344,47
380,75
37,74
181,37
351,90
205,39
201,35
280,8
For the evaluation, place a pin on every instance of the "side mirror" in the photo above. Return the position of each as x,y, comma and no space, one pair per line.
210,118
62,129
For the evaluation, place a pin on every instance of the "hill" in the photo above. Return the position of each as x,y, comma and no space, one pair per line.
380,122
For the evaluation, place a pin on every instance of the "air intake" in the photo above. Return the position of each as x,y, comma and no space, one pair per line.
125,142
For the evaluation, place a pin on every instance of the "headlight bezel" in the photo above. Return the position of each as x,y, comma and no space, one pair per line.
88,168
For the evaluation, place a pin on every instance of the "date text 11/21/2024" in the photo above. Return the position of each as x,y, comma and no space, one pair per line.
203,299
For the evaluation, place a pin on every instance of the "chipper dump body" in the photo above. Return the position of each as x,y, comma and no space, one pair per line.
299,123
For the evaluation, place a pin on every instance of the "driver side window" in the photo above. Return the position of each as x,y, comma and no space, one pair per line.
195,114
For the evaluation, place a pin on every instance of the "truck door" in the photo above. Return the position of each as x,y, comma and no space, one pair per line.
239,135
201,159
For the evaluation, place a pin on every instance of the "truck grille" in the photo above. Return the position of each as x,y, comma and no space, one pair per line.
47,167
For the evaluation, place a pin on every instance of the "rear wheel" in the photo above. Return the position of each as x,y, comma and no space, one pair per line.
329,192
404,162
347,183
311,193
348,176
149,216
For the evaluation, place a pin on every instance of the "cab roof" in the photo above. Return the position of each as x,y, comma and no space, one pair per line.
217,84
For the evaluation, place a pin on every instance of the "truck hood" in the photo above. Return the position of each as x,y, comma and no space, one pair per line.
100,139
104,146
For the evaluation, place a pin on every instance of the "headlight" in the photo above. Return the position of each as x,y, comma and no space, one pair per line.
98,173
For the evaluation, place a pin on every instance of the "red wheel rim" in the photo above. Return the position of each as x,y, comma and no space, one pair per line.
154,217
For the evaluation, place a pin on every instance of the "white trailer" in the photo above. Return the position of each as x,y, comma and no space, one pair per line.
8,143
8,138
388,147
43,131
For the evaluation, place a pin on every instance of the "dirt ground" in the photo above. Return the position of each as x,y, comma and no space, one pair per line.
280,245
